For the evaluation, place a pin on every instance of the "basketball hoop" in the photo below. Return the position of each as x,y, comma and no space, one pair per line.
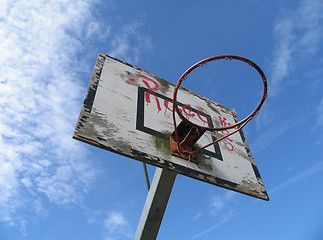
187,133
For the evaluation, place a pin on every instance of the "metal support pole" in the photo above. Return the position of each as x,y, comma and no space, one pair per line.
146,175
155,206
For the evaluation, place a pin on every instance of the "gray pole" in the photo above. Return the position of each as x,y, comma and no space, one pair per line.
146,175
155,206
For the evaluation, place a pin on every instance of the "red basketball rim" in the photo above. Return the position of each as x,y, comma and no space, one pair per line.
205,61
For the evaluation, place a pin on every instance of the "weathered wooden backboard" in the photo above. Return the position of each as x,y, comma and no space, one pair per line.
129,111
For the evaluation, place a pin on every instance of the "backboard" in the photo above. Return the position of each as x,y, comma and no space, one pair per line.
128,111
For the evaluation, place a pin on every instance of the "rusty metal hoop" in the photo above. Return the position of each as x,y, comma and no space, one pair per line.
210,59
239,125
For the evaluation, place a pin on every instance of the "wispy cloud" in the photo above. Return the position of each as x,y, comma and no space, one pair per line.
218,203
221,203
298,34
40,97
197,216
319,110
301,176
129,42
273,132
220,221
221,209
117,227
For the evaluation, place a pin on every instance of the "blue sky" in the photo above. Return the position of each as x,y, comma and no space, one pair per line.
54,187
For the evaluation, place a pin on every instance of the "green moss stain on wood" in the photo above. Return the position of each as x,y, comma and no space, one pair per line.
163,145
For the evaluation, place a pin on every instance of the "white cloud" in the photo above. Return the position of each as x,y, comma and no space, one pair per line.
41,93
221,202
224,203
3,8
197,216
217,204
319,110
271,133
219,222
301,176
40,97
221,208
282,58
129,43
117,226
98,30
298,36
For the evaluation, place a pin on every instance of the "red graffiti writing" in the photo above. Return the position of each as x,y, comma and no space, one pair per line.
167,108
153,86
199,116
223,121
188,111
227,141
151,90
